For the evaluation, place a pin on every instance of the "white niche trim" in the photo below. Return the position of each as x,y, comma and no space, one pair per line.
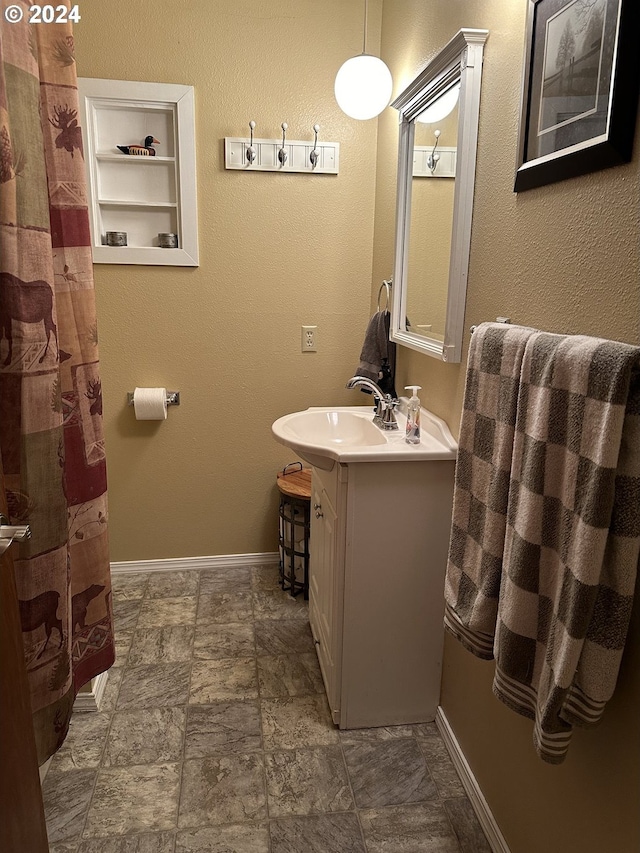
141,195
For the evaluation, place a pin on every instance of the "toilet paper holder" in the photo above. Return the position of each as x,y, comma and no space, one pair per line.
173,398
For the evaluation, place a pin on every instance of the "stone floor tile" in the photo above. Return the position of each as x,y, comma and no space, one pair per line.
426,730
466,826
228,678
307,781
112,690
134,799
122,643
161,612
66,799
297,721
145,736
327,833
161,645
284,637
154,842
225,607
84,744
214,641
239,838
388,772
126,613
221,790
419,828
265,577
378,733
289,675
233,579
64,847
154,686
180,706
128,585
276,604
441,767
172,584
222,728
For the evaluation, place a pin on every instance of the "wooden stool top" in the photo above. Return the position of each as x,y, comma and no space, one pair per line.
295,483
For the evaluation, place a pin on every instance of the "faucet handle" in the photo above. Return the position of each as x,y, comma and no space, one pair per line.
388,420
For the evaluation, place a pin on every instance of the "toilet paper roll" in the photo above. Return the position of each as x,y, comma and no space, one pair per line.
150,404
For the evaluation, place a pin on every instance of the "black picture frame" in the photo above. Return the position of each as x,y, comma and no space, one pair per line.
580,89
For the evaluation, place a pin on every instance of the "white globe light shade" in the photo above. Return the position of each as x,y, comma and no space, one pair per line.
442,107
363,86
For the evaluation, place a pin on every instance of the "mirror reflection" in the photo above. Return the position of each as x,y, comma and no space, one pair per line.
431,220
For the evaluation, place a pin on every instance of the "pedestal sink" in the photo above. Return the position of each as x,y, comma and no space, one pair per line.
325,435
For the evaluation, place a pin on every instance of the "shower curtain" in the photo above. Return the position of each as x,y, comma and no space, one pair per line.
51,439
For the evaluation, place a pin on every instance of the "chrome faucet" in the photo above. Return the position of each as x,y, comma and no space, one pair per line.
384,417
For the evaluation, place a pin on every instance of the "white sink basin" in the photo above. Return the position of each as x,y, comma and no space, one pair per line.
323,436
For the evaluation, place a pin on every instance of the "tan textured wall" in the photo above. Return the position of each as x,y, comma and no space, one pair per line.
276,252
565,258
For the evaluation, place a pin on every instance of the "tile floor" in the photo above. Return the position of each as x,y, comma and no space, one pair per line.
214,735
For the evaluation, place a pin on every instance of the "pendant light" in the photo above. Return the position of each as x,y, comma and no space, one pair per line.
363,83
441,108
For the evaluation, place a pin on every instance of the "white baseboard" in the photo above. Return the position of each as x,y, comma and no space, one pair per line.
90,701
184,564
480,806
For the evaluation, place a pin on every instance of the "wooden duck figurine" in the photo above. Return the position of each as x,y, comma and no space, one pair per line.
145,150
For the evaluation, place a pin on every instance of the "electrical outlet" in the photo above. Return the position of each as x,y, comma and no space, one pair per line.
308,339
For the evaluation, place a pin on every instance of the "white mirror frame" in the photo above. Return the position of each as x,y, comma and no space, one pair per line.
461,59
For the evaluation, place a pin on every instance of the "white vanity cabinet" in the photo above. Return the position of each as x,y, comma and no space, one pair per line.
379,540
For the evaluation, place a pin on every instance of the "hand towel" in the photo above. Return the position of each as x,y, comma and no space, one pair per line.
485,447
573,534
378,356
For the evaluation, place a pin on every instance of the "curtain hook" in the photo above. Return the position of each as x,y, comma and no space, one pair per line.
282,154
314,156
433,158
251,151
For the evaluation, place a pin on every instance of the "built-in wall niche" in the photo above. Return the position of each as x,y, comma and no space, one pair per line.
143,196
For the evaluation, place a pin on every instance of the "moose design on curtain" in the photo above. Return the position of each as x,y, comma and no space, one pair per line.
51,438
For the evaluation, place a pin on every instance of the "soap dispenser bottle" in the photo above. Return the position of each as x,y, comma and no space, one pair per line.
413,416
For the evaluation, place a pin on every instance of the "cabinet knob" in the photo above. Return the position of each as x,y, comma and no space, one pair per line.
317,642
317,506
319,515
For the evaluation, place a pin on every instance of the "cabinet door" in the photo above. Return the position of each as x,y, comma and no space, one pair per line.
324,599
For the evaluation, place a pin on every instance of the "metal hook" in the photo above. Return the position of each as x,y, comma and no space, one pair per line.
433,158
251,151
282,154
314,156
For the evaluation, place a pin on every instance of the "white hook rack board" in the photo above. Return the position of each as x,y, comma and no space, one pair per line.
446,167
266,159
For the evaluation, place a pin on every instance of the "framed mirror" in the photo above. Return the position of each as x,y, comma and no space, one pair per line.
439,114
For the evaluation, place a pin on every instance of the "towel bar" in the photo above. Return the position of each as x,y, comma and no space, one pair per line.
498,320
387,286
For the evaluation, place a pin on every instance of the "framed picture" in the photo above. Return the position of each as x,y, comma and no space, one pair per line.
580,89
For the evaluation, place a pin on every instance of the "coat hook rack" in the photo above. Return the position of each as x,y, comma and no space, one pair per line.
251,151
313,157
282,154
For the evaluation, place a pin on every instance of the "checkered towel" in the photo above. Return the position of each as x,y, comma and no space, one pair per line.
485,447
563,583
573,535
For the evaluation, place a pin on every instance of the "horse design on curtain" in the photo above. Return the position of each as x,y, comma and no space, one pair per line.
51,437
